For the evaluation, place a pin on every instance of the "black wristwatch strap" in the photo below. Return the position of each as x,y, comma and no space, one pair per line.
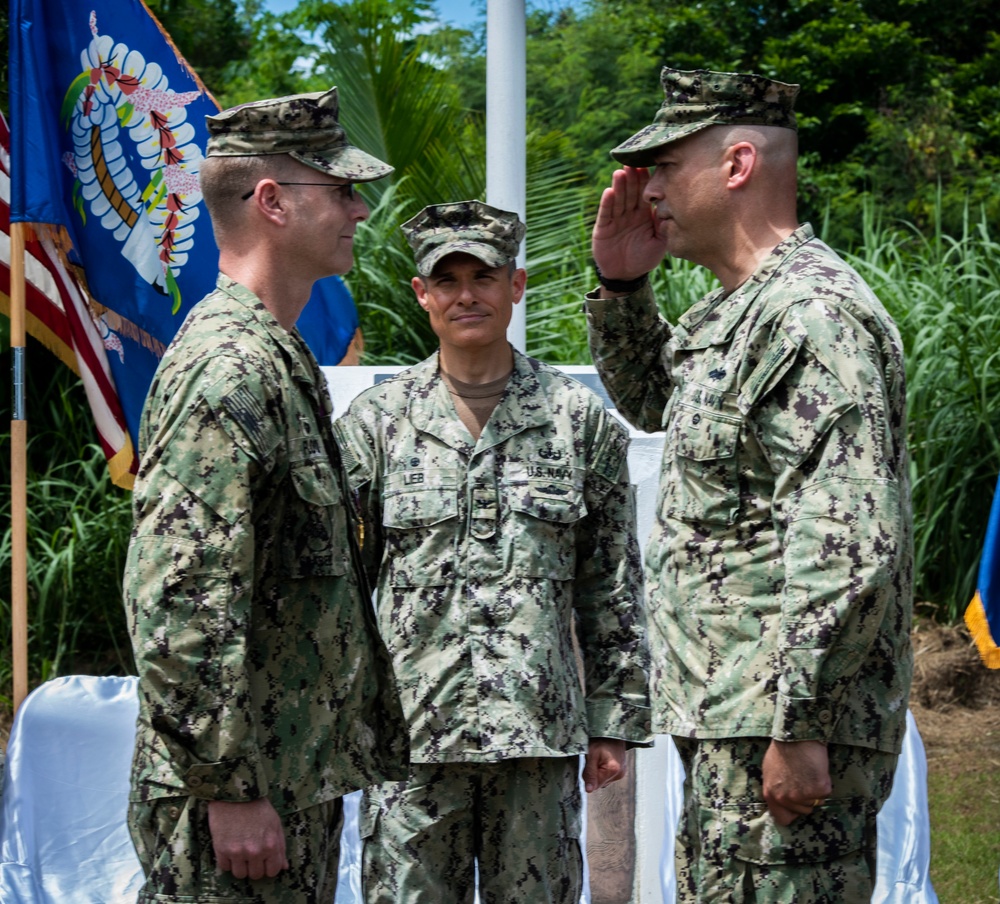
621,285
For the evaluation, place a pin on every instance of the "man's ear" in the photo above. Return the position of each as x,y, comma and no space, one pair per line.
270,201
741,160
420,290
518,281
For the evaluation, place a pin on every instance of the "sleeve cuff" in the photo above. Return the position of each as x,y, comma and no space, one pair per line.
238,781
640,304
632,724
804,719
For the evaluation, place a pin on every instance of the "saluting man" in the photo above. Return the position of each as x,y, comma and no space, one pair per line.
780,568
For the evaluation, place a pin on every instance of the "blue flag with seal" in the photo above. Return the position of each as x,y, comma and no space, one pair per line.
107,135
983,614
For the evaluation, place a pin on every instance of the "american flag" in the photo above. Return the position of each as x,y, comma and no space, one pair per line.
60,315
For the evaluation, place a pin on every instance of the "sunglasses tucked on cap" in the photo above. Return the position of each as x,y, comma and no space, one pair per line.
304,126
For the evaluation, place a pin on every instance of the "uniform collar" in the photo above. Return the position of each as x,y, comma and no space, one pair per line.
521,407
298,358
712,320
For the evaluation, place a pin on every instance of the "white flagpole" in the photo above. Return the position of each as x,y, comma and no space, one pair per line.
506,124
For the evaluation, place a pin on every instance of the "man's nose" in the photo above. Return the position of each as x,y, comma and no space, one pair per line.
652,192
360,210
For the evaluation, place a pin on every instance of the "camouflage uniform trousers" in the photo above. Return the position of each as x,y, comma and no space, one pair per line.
519,819
729,848
174,845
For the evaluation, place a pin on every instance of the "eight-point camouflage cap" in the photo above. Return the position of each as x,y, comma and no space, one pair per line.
699,98
472,227
304,126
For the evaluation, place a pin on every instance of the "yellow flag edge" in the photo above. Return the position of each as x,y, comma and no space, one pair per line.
979,628
120,463
40,331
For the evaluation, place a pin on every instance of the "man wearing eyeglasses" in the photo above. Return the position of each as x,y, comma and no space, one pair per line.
265,691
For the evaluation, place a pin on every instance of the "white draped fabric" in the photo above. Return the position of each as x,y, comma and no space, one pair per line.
63,837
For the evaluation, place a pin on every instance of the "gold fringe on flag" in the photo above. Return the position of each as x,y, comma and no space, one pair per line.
979,628
120,464
126,328
40,331
60,238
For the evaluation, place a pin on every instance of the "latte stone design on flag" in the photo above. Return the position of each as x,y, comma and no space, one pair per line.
118,100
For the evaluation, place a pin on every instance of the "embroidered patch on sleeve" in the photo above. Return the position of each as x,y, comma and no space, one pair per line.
612,448
246,409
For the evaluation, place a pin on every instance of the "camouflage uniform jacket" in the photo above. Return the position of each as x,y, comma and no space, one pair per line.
261,672
484,551
779,571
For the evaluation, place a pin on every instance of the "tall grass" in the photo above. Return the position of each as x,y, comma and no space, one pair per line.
944,292
78,527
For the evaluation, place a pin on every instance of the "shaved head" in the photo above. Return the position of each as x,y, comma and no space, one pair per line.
224,181
777,148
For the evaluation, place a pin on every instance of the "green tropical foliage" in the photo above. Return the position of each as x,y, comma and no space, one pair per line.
398,104
210,33
896,97
944,292
900,133
78,528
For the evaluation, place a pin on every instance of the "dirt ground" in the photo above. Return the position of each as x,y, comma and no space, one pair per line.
955,700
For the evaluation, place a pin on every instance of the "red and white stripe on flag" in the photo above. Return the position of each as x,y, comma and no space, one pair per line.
59,316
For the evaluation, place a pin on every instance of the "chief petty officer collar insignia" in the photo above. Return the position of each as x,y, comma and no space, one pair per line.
550,453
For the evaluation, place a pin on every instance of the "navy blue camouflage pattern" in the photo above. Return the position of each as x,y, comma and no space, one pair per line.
261,671
779,572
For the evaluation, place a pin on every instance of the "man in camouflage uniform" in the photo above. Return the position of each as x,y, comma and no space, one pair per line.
497,512
265,691
779,571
